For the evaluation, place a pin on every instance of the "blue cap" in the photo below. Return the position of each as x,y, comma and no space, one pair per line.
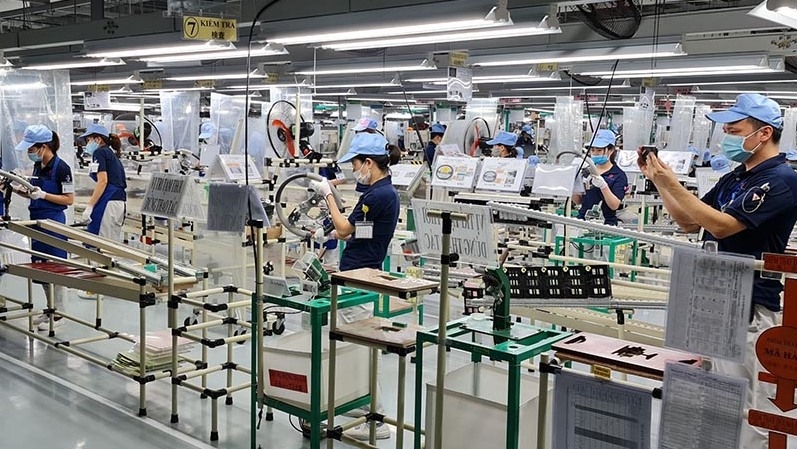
366,123
604,138
533,160
504,138
34,134
756,106
95,128
366,144
206,130
791,155
526,129
720,162
438,129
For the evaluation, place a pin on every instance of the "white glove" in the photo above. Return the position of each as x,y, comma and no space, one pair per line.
319,236
37,194
321,187
87,213
598,181
577,161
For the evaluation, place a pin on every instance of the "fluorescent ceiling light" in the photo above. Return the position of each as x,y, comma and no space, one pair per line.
436,37
164,50
401,30
350,85
762,92
427,91
684,71
573,88
268,50
777,11
581,55
24,86
225,76
105,62
128,80
725,83
382,99
369,69
440,81
349,93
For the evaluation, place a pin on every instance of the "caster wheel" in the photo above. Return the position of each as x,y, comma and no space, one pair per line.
240,331
280,329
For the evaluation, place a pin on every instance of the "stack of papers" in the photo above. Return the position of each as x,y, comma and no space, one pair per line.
158,353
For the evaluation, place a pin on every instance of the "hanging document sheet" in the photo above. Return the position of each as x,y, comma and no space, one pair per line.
589,413
709,303
701,410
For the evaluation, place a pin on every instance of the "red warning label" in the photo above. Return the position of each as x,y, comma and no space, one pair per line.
288,381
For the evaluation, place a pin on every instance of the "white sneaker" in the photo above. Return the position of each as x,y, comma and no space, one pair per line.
39,319
357,412
45,325
86,295
363,432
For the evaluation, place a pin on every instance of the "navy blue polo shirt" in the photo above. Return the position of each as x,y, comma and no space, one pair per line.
618,183
112,166
763,199
382,203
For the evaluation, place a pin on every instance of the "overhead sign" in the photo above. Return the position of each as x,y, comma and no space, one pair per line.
548,67
205,84
460,84
96,100
98,88
458,58
152,84
210,28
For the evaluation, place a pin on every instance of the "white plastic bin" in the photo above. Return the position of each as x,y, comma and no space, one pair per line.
287,368
475,411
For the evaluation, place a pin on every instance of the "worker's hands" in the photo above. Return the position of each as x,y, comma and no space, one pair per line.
589,165
657,171
37,194
598,181
321,187
87,213
319,236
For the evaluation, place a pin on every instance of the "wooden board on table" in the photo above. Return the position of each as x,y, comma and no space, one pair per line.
620,355
381,332
369,277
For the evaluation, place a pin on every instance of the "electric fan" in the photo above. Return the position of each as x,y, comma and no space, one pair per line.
477,133
612,20
281,121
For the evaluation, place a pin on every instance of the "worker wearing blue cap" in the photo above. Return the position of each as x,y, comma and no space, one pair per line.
526,138
207,130
791,158
436,132
750,211
366,124
504,144
54,191
105,211
607,187
370,227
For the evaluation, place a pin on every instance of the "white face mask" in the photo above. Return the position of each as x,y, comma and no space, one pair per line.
362,178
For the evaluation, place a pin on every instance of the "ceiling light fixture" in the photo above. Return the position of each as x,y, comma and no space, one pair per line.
213,45
267,50
128,80
494,18
224,76
424,65
436,37
77,64
783,12
349,85
580,55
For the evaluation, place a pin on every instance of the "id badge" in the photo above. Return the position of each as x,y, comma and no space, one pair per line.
93,167
339,174
67,187
364,230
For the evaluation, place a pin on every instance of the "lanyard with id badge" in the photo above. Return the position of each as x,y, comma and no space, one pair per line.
364,230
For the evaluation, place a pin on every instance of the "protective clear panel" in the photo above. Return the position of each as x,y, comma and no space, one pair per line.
681,124
485,108
701,127
180,118
567,132
227,113
788,140
32,98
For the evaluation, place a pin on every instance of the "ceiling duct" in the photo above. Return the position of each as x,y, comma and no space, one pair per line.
612,20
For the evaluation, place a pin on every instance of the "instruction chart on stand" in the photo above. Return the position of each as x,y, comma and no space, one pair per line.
709,303
502,174
454,172
700,410
590,413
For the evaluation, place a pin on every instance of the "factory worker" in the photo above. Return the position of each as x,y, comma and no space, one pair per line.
206,131
504,144
369,229
400,134
437,132
53,193
105,209
791,159
750,211
367,125
526,137
609,185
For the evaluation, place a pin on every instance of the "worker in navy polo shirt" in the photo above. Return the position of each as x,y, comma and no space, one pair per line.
368,230
750,211
608,187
